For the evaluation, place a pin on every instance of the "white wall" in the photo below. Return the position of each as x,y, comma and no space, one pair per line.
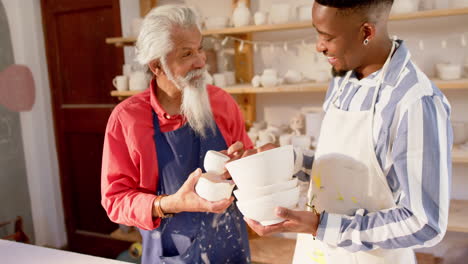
37,125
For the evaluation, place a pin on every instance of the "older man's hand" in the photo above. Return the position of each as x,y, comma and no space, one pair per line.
296,221
187,200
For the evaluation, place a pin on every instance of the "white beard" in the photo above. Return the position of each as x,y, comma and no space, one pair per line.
196,107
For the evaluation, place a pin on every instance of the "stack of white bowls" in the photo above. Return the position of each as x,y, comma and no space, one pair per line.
265,181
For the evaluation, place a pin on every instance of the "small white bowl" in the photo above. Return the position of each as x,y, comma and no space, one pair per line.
448,72
245,195
215,161
264,168
213,188
263,209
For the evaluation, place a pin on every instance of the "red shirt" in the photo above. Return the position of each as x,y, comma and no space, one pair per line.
129,162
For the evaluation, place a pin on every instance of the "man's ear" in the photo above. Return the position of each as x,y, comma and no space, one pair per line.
368,31
155,67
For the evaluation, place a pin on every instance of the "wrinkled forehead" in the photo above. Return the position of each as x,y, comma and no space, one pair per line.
186,38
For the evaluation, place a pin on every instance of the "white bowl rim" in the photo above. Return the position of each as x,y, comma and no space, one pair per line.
260,154
295,179
265,197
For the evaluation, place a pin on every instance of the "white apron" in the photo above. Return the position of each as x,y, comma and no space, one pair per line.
347,176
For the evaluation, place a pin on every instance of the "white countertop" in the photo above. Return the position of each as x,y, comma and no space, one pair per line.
19,253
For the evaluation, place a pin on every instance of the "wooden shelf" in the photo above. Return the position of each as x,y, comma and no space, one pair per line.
460,157
301,87
287,88
458,216
127,41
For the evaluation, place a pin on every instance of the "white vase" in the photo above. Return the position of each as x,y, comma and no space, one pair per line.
241,15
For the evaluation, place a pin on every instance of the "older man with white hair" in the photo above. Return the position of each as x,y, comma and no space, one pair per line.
156,141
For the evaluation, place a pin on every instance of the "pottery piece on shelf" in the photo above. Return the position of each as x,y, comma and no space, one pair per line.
447,71
260,18
256,81
230,77
297,124
293,76
138,81
120,82
241,15
269,78
220,80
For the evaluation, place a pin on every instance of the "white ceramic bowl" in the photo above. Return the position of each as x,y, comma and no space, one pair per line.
212,188
263,209
245,195
447,71
264,168
215,161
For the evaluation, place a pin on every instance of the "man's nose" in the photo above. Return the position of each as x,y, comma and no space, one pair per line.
200,61
320,47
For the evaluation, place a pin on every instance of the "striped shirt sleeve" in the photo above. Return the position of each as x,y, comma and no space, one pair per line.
421,153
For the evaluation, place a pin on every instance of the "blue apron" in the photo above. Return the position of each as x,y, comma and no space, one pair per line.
192,237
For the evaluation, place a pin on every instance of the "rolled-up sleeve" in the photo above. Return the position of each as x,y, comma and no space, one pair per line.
421,154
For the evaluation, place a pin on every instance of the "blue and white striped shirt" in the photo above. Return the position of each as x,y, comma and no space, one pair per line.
413,142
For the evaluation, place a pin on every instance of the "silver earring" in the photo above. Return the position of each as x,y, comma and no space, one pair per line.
366,42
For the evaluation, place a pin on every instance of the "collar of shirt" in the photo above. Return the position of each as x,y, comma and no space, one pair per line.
396,66
158,109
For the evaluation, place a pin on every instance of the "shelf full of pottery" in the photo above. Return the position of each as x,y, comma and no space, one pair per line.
302,131
299,17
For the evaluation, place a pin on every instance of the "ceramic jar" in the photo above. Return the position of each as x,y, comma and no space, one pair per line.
241,15
260,18
269,78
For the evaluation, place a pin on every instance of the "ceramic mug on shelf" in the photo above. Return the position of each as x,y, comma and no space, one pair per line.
138,81
127,69
260,18
230,78
220,80
120,83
